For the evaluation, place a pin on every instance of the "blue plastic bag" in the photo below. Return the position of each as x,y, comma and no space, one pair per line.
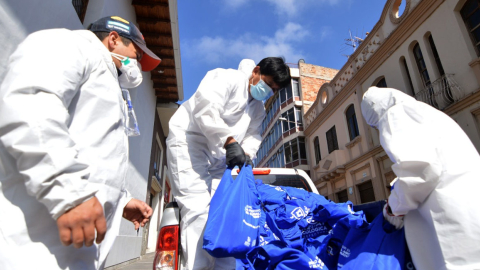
234,219
277,255
376,246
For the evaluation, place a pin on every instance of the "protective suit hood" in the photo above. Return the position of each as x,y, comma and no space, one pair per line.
246,66
377,101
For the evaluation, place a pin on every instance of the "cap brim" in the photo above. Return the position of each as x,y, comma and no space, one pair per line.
149,60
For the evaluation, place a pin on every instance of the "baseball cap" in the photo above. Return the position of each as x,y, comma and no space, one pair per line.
128,30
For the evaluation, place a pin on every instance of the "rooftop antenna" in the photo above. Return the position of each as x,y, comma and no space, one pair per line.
353,42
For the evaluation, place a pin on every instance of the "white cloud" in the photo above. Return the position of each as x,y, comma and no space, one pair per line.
325,32
290,8
235,3
214,50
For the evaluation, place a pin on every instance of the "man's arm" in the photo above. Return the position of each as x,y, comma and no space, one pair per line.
253,136
44,75
210,99
415,158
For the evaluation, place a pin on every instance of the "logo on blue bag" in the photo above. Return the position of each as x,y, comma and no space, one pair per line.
252,212
263,242
345,252
250,225
315,229
317,263
299,213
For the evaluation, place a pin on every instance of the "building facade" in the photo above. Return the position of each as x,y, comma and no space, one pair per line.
283,140
154,100
428,49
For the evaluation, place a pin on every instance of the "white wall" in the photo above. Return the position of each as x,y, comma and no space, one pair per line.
454,49
18,18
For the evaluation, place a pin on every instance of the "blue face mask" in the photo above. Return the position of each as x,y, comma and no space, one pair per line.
261,91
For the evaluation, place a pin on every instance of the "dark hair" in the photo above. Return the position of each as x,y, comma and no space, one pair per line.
103,35
276,67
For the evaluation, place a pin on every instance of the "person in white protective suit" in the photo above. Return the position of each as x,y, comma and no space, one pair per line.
437,169
219,125
64,145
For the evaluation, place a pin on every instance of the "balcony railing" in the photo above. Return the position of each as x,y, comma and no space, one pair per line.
441,93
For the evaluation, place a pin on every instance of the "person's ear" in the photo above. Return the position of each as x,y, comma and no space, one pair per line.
113,40
255,71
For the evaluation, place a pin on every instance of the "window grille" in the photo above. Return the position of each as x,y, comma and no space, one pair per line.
81,8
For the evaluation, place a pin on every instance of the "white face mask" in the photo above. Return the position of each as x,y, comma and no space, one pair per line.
131,72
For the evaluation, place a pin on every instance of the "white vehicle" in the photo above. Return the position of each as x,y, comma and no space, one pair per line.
168,254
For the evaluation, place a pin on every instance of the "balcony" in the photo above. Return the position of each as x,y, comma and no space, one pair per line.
441,93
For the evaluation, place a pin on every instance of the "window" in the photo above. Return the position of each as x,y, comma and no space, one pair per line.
296,90
471,16
407,73
366,192
298,115
301,148
382,83
81,8
289,92
436,56
342,196
295,150
352,122
292,119
332,140
283,95
158,159
422,68
316,145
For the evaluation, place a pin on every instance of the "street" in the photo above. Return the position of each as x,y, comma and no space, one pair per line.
143,264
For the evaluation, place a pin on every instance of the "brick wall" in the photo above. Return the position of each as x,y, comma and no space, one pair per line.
312,77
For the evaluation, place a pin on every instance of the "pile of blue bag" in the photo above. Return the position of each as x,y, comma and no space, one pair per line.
273,227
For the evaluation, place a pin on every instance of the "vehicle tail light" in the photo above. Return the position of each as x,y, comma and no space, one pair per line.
166,257
259,171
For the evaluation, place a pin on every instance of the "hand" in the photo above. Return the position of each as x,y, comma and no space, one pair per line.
137,212
78,224
235,155
396,221
248,160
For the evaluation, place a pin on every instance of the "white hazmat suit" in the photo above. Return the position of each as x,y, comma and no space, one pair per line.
62,141
437,183
220,108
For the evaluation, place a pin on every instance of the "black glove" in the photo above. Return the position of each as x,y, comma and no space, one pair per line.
248,160
235,155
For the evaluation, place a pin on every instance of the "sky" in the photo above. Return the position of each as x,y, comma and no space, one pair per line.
220,33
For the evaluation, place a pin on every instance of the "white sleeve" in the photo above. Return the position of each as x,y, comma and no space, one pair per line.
210,99
412,148
44,75
253,136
